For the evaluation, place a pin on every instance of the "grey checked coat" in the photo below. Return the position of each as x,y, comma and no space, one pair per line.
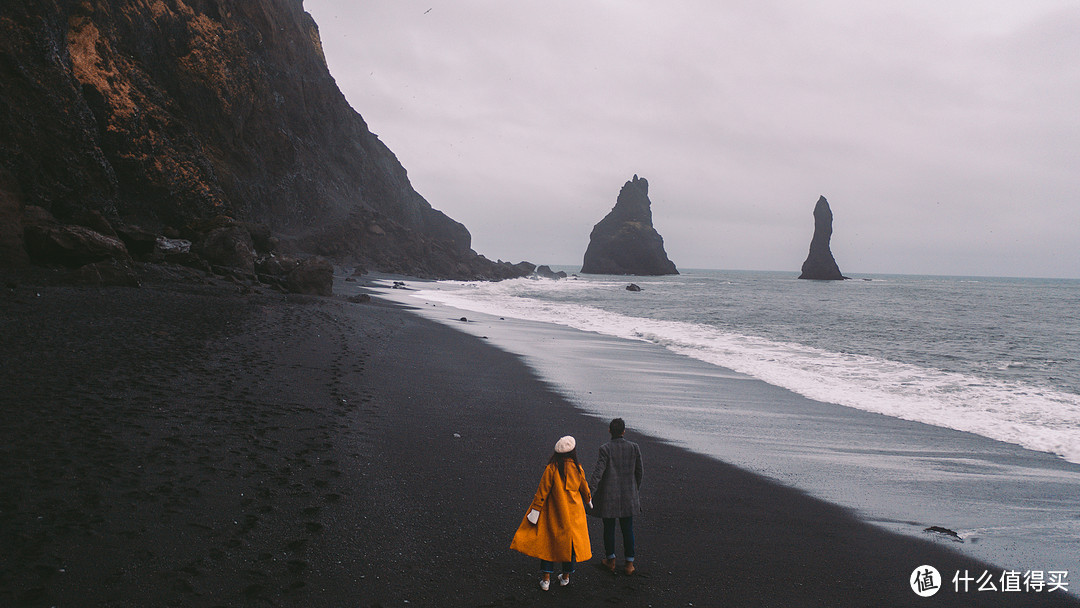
616,479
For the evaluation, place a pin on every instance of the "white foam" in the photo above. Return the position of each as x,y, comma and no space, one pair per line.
1034,417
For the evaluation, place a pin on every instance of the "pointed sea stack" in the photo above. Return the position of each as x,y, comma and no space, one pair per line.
820,265
625,242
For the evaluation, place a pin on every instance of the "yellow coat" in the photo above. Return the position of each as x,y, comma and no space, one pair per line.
562,524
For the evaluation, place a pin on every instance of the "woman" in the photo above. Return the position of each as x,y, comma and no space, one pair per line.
554,529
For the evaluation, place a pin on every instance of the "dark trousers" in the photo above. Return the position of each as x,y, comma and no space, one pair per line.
627,525
567,567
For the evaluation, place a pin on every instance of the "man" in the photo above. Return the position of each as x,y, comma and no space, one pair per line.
615,482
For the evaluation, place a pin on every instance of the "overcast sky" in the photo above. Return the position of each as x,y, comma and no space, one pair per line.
945,134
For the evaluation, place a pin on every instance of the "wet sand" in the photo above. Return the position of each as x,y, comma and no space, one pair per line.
1010,506
188,445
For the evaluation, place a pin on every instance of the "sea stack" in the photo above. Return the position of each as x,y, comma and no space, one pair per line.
820,265
625,242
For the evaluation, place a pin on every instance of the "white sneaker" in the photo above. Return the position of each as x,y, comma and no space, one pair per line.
564,580
544,584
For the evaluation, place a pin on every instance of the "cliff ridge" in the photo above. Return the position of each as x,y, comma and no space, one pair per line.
168,114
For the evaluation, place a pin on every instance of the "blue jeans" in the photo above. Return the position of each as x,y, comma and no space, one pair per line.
627,525
567,567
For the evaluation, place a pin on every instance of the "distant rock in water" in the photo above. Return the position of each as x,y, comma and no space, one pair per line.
820,265
945,532
545,272
625,242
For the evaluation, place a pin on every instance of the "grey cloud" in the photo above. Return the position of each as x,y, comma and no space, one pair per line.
943,133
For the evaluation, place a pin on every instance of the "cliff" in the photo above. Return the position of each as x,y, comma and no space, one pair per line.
625,242
819,264
166,114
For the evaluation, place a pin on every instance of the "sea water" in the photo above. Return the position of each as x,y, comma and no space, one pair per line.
995,357
913,400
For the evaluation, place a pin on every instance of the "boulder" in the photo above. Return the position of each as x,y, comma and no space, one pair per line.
140,242
113,272
12,248
945,532
229,246
262,238
178,251
546,273
71,246
625,242
513,271
633,287
168,247
819,264
276,265
312,276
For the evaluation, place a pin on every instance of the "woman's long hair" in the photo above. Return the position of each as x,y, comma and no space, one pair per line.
561,459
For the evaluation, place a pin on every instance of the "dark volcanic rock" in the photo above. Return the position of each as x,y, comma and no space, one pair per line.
625,242
112,272
945,532
546,272
162,114
166,247
314,276
263,238
820,265
276,265
140,243
12,249
71,246
230,246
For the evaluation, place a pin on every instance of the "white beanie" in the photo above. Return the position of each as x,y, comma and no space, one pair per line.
565,444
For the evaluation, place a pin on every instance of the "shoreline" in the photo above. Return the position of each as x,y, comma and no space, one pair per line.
1010,506
206,448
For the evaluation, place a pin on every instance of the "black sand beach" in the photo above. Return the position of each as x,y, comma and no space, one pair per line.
186,445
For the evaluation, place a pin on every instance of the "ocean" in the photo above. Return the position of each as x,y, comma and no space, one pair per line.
995,357
913,400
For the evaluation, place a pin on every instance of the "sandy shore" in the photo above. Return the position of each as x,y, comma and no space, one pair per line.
185,445
1012,507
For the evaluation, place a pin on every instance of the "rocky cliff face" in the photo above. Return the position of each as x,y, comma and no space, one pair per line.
819,264
165,113
625,242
